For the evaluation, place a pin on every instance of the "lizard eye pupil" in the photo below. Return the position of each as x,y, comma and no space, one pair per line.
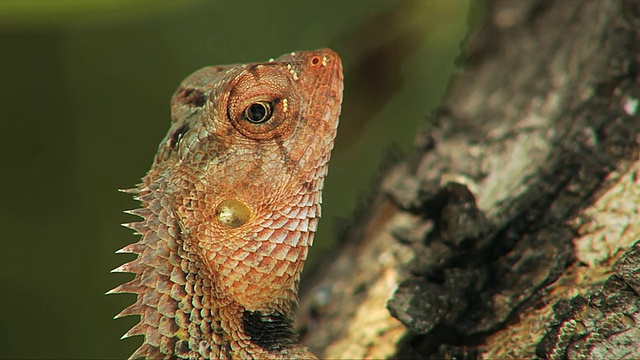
258,112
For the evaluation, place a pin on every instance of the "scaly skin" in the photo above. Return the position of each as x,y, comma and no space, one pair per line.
230,207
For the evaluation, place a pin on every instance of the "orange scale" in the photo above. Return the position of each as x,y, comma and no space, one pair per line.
150,300
251,260
196,302
292,224
313,224
278,237
281,268
164,286
292,213
293,238
322,172
241,269
252,246
253,277
177,292
239,255
303,225
305,200
294,254
197,287
314,211
240,286
211,245
216,257
275,216
207,301
306,239
250,291
303,212
280,252
152,337
231,275
231,264
199,187
267,222
279,223
264,234
150,318
175,259
287,210
278,283
305,251
167,327
266,248
202,227
267,264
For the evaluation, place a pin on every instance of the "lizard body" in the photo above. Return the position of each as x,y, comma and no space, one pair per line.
230,207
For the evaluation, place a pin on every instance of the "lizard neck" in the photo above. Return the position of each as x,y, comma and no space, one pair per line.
181,309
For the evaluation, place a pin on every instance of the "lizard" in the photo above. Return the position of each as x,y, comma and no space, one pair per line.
230,207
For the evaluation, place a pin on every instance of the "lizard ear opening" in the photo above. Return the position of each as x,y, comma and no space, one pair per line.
233,213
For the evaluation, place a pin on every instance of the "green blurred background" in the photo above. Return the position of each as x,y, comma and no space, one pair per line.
85,102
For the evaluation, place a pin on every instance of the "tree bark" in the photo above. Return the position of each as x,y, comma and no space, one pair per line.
509,231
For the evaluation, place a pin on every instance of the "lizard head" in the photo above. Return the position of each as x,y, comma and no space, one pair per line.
244,164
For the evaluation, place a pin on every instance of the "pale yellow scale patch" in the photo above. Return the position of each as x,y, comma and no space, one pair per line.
324,61
233,213
293,73
285,105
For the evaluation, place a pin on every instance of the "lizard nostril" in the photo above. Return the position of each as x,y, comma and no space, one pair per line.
233,213
315,61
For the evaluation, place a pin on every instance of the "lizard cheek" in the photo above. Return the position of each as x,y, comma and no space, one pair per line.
232,213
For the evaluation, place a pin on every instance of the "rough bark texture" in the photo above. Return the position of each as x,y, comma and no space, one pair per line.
510,230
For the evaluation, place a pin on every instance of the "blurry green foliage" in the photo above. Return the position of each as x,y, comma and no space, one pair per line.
85,102
38,13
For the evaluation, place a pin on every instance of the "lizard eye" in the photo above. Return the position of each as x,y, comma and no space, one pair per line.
259,112
264,103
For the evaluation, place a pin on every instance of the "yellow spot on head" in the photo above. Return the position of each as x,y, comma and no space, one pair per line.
293,73
233,213
324,61
285,104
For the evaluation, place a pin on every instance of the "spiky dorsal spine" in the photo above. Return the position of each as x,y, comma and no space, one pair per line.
174,295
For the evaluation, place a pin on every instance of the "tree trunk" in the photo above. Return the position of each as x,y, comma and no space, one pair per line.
510,230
